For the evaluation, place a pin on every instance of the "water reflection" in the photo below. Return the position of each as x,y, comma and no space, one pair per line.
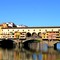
34,56
23,54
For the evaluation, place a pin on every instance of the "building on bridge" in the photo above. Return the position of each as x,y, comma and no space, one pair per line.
23,32
47,32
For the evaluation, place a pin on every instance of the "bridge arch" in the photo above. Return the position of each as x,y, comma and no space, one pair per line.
39,34
27,43
31,41
56,42
28,34
7,43
34,34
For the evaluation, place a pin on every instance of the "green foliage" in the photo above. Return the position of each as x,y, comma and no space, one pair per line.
37,40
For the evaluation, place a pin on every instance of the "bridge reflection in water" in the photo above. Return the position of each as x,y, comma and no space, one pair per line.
32,54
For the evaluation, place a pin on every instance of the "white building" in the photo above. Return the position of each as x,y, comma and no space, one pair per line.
22,26
10,24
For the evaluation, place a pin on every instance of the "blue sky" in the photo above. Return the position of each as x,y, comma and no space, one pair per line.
30,12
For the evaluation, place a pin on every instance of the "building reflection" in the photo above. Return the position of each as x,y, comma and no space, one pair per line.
1,55
34,56
27,55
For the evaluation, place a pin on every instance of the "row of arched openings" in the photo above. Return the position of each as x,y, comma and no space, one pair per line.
33,34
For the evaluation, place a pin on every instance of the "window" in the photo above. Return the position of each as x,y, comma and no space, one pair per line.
39,30
34,30
8,29
52,29
28,30
23,30
18,30
47,34
13,30
12,36
44,36
46,30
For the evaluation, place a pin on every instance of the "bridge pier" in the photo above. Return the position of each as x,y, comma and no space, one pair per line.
18,43
50,43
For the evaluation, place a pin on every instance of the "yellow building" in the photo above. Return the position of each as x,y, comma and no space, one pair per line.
4,25
17,34
44,35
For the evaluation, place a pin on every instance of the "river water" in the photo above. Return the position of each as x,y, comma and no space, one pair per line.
25,54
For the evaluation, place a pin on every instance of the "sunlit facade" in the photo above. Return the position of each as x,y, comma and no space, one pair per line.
42,32
51,32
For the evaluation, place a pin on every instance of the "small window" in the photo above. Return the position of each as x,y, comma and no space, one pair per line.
47,34
45,30
8,29
39,30
18,30
44,33
34,30
13,30
52,29
44,36
28,30
23,30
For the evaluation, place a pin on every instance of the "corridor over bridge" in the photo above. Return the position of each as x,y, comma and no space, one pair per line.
45,33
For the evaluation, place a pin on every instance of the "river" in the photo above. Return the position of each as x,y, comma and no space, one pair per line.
24,54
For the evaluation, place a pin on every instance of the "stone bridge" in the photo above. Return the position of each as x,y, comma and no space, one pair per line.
49,43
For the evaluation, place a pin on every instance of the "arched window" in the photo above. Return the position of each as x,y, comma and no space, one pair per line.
28,34
46,30
34,30
34,34
12,30
52,30
8,29
39,34
28,30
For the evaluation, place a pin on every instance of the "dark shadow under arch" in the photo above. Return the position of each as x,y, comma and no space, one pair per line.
34,34
39,34
27,43
56,45
28,34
